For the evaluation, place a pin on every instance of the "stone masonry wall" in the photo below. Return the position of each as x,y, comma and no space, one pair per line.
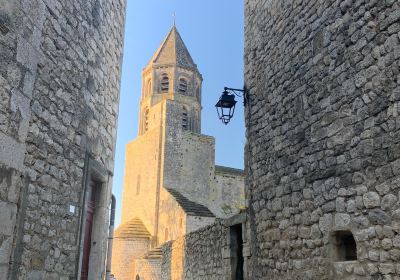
172,219
59,89
226,196
141,179
188,157
126,251
189,167
198,255
323,151
147,269
194,223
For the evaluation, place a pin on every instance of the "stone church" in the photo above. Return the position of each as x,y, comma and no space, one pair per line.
322,155
171,186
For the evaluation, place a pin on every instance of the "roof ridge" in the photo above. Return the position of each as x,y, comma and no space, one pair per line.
189,206
161,47
173,51
134,228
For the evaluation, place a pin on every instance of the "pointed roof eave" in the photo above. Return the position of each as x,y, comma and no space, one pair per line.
158,51
173,51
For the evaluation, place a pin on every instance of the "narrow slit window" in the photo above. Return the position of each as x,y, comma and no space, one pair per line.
185,119
146,120
198,92
138,185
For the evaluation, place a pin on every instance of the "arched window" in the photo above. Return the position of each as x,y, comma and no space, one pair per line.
185,119
146,120
164,83
138,185
182,86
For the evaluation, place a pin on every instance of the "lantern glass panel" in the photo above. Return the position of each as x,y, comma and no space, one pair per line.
226,107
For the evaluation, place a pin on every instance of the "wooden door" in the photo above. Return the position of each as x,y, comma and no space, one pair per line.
90,207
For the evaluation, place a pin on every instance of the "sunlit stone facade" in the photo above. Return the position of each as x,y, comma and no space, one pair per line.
171,183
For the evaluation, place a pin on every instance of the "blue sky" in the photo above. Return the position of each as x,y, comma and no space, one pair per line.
213,33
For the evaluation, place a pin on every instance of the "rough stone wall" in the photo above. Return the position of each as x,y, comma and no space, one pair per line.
194,223
172,218
59,90
189,167
173,258
188,157
197,166
323,150
147,269
226,196
126,251
198,255
166,260
174,222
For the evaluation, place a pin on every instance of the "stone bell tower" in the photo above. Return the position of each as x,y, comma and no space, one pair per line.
171,184
170,108
171,74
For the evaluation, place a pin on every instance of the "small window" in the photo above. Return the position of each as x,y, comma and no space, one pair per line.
182,87
138,185
146,120
164,83
185,119
198,92
345,247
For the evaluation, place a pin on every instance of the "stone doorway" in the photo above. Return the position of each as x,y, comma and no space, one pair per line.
90,209
237,261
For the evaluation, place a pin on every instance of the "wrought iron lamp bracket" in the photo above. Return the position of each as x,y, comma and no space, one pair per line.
238,92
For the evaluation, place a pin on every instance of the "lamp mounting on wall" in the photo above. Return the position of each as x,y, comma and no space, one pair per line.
226,103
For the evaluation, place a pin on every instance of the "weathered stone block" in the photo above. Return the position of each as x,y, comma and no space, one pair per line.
377,216
8,216
371,199
342,221
339,84
5,250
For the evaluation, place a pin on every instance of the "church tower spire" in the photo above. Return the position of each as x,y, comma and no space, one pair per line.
172,74
171,183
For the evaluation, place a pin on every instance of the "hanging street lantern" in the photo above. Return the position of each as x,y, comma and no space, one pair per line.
226,103
226,106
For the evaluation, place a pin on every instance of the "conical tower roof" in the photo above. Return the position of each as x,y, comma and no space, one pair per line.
134,229
173,51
